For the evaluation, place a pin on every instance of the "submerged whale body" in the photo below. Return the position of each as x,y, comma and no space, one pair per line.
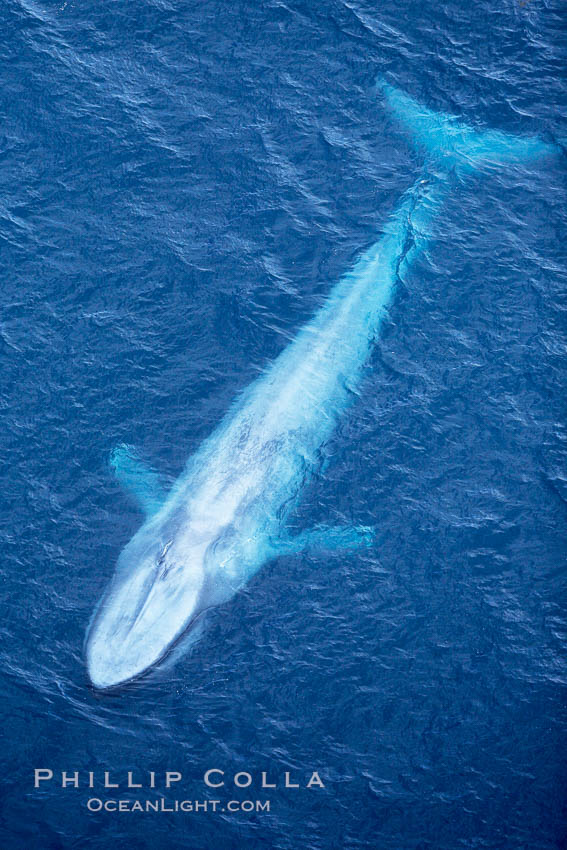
225,516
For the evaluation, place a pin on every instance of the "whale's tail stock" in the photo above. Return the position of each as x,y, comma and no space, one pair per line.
455,145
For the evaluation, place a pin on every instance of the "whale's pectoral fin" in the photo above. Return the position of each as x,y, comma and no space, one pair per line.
324,538
143,483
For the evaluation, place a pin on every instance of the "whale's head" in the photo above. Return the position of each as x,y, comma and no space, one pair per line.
154,595
164,579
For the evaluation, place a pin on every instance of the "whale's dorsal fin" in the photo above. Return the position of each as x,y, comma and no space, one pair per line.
325,538
142,482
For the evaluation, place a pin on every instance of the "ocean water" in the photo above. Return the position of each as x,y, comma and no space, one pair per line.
181,183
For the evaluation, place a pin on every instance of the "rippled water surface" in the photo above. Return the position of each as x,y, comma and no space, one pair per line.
180,185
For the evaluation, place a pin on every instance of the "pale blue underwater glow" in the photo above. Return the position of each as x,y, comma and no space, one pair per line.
227,514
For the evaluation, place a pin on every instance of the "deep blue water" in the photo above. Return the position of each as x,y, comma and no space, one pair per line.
180,185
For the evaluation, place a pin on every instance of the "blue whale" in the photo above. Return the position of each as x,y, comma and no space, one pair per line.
226,514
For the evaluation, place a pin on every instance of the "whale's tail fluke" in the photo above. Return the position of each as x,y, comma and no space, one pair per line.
454,144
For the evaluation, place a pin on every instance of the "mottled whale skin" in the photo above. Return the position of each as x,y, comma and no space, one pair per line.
226,514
